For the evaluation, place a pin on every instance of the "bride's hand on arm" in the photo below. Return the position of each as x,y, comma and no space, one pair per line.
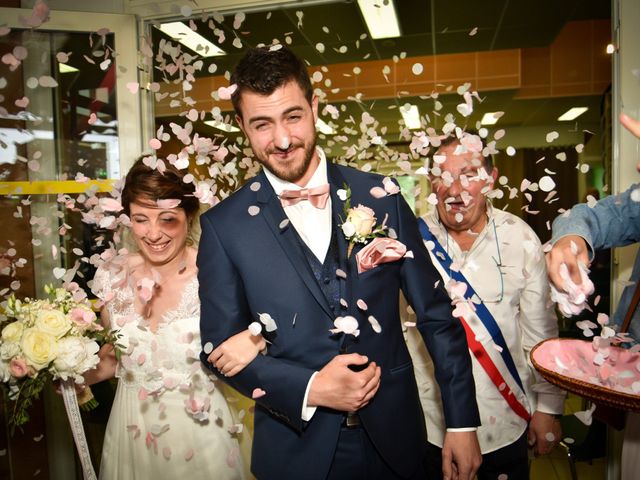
237,352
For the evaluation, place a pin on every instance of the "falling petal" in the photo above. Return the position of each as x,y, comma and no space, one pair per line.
168,203
374,324
546,184
257,393
255,328
58,272
253,210
378,192
551,136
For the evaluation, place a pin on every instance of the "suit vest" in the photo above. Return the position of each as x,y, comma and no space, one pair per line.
325,273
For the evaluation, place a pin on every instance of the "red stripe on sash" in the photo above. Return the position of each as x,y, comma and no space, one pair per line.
494,374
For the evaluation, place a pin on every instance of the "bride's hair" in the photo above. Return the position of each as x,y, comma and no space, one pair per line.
147,185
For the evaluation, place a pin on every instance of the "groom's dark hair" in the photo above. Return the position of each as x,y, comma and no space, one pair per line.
262,70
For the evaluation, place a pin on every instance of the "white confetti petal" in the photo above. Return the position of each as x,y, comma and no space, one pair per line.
253,210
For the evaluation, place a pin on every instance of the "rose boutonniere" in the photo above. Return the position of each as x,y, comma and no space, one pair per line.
359,225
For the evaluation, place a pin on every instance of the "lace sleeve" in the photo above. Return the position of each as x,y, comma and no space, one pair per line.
101,285
110,276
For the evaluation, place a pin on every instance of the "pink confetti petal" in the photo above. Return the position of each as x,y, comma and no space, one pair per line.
22,102
109,204
133,87
225,92
166,453
253,210
188,455
257,393
168,203
142,394
378,192
361,304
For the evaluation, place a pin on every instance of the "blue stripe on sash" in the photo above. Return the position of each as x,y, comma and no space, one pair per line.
482,311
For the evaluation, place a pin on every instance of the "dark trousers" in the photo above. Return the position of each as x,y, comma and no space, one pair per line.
512,461
357,459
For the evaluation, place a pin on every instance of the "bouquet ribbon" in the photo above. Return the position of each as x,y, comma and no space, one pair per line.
75,421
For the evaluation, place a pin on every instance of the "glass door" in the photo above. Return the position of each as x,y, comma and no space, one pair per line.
69,125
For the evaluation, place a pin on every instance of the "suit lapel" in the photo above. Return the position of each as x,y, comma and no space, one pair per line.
337,182
285,234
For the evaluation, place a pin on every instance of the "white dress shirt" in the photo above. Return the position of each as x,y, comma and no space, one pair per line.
522,309
314,227
312,224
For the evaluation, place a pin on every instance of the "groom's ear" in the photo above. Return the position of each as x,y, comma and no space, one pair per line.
314,107
240,124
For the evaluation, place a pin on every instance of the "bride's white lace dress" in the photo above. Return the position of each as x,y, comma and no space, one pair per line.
169,418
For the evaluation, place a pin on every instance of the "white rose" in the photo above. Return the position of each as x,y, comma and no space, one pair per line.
53,322
13,332
39,348
362,219
5,375
75,356
9,350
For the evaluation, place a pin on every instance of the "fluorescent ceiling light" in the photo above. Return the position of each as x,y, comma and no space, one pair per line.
225,127
190,39
572,114
64,68
411,116
489,118
323,127
380,17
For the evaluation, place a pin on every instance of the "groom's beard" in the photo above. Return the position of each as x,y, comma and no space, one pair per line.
295,171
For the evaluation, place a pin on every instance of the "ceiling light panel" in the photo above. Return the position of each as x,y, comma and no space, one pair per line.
380,17
572,114
190,39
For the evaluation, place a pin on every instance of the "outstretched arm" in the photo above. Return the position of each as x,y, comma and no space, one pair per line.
612,222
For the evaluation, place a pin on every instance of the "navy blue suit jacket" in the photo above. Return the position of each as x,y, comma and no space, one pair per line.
255,264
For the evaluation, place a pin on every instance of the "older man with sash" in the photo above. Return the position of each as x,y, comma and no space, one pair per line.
492,265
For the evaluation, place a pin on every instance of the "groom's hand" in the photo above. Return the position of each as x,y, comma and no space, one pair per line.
461,456
337,386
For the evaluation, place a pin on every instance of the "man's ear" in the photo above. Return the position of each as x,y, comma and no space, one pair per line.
494,173
314,107
240,124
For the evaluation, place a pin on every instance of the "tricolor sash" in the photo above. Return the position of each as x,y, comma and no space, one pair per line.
485,316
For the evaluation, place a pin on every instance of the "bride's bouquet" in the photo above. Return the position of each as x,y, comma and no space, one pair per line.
41,340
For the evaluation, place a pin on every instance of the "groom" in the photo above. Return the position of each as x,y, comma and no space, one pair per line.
338,404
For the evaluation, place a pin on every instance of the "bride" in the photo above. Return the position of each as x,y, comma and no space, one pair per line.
169,418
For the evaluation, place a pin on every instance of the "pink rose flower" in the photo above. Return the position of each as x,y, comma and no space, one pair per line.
18,367
82,317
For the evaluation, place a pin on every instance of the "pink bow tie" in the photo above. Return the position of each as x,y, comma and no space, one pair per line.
317,196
